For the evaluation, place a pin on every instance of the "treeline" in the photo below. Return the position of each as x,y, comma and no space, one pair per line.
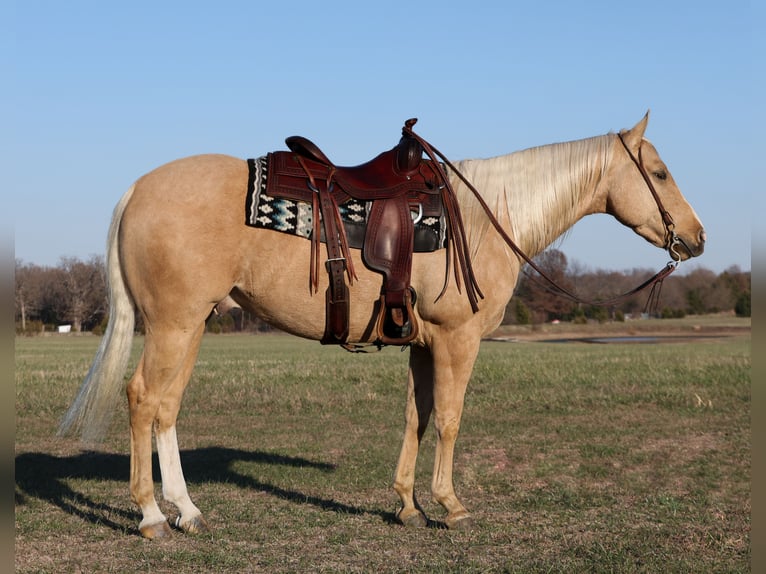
74,293
697,292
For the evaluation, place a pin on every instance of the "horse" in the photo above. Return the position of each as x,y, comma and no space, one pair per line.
172,259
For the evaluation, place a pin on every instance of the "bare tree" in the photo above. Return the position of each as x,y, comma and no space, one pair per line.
85,289
29,282
535,292
22,293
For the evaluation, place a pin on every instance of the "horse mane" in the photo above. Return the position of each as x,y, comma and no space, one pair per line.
541,190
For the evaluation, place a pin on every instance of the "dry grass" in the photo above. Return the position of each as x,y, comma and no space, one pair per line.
573,458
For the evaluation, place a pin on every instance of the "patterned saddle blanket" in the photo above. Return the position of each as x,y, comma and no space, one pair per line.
296,217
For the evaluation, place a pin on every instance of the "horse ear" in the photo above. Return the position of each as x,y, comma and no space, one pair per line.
634,135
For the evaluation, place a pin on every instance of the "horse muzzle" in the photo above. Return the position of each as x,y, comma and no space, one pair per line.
682,248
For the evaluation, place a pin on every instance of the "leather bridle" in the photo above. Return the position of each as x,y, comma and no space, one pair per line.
672,240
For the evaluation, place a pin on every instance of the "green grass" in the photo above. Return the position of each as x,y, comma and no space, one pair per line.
572,458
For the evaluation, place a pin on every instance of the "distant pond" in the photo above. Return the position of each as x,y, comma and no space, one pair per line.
634,339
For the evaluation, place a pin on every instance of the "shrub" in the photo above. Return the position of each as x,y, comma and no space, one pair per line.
220,324
578,316
668,313
32,328
742,305
522,313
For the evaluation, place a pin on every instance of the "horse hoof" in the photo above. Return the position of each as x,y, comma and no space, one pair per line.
462,521
414,519
195,525
159,530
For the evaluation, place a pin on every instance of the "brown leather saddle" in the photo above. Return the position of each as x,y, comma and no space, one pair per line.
398,185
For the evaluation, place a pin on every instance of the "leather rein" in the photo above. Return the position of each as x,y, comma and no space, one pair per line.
671,238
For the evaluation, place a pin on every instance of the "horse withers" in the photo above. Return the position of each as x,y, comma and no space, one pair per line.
171,261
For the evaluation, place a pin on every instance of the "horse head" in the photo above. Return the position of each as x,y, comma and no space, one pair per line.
642,195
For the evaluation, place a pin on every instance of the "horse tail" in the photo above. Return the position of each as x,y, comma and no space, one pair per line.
95,403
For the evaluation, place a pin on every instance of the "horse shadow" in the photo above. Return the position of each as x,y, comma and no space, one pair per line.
47,477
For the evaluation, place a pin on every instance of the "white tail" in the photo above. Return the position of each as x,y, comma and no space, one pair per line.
92,410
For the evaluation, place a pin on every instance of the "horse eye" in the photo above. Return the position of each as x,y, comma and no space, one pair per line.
663,175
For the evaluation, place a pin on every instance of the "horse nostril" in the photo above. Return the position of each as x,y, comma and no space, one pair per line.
702,236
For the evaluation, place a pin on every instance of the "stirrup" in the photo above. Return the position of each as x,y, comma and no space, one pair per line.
398,325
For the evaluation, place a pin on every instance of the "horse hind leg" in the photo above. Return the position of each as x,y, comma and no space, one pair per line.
154,397
173,484
174,489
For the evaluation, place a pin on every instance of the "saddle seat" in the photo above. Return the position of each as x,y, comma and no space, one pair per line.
390,173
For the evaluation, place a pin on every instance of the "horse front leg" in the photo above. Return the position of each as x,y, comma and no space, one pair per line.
453,359
417,414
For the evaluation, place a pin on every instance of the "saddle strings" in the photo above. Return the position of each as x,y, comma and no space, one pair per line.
316,232
459,251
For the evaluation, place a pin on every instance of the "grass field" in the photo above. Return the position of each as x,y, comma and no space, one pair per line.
572,457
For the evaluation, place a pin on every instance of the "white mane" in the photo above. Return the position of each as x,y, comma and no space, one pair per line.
542,190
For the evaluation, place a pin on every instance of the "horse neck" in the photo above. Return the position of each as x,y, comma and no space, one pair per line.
537,194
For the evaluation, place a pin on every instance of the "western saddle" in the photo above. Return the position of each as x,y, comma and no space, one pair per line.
398,184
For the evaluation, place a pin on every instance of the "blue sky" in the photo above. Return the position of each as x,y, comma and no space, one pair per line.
103,92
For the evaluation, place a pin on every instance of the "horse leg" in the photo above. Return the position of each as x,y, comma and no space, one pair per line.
167,358
417,414
173,484
453,359
153,523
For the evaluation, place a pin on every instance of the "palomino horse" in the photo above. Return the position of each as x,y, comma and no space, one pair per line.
172,259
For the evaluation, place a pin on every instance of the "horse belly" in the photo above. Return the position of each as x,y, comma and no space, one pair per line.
274,285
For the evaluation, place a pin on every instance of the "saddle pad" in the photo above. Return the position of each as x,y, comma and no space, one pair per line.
296,217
